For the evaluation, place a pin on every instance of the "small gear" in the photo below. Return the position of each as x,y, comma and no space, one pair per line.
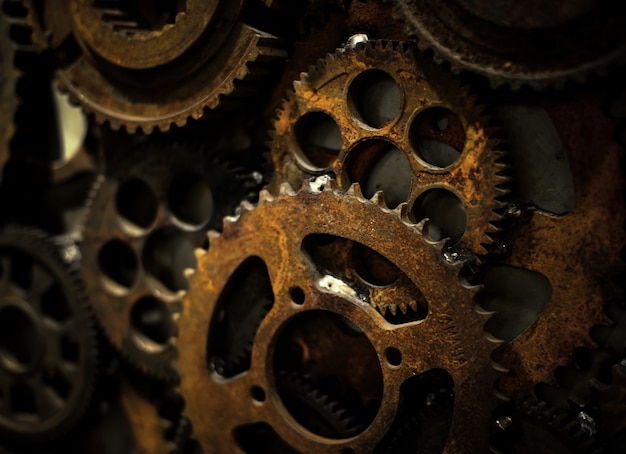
147,65
358,345
146,217
536,43
48,345
324,412
380,116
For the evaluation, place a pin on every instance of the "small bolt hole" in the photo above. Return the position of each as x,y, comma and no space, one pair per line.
297,295
393,356
257,393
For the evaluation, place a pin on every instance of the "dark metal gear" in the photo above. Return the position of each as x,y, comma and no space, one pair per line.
535,426
380,116
536,43
320,323
146,217
48,357
146,65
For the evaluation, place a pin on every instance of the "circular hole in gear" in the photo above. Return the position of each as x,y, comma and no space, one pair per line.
257,393
319,139
337,376
375,98
446,214
151,319
166,255
297,295
377,165
118,263
18,337
191,199
136,202
393,356
437,136
372,267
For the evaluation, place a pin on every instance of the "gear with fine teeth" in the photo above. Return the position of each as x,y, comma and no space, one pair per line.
382,116
147,65
537,43
268,251
147,216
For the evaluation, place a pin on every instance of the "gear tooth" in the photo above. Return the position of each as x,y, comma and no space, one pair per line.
286,189
181,294
393,308
199,253
265,196
188,272
379,199
413,305
245,206
355,190
212,235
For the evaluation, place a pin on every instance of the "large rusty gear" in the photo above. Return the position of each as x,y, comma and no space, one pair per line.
147,65
146,217
433,148
536,43
269,240
48,344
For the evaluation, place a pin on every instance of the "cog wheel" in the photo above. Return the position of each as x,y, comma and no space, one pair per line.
147,65
382,117
535,355
538,44
268,245
48,357
146,217
323,411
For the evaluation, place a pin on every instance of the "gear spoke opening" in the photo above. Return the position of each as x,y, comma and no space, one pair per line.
437,136
18,338
319,140
119,264
166,255
375,98
151,322
136,202
445,213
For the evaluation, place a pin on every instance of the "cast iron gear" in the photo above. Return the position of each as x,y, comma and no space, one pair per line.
146,217
535,43
380,115
374,356
147,65
48,357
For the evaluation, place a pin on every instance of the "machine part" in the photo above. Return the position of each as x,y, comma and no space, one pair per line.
48,357
146,217
146,65
536,426
538,44
358,346
382,117
594,226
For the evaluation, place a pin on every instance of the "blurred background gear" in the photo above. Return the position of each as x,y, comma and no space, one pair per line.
373,226
48,344
536,43
146,216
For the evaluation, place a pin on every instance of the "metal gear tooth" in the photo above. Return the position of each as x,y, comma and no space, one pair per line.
286,189
355,191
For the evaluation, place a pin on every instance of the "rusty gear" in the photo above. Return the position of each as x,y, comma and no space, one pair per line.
267,241
534,355
385,118
146,217
147,65
48,358
536,43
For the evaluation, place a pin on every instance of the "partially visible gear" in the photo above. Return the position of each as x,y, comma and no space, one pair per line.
147,65
322,325
322,411
48,357
578,275
535,426
380,116
536,43
146,217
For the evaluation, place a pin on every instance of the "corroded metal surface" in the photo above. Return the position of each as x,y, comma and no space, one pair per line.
474,175
578,252
449,338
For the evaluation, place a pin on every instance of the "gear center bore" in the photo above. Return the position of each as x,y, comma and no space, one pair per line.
328,375
18,337
132,17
